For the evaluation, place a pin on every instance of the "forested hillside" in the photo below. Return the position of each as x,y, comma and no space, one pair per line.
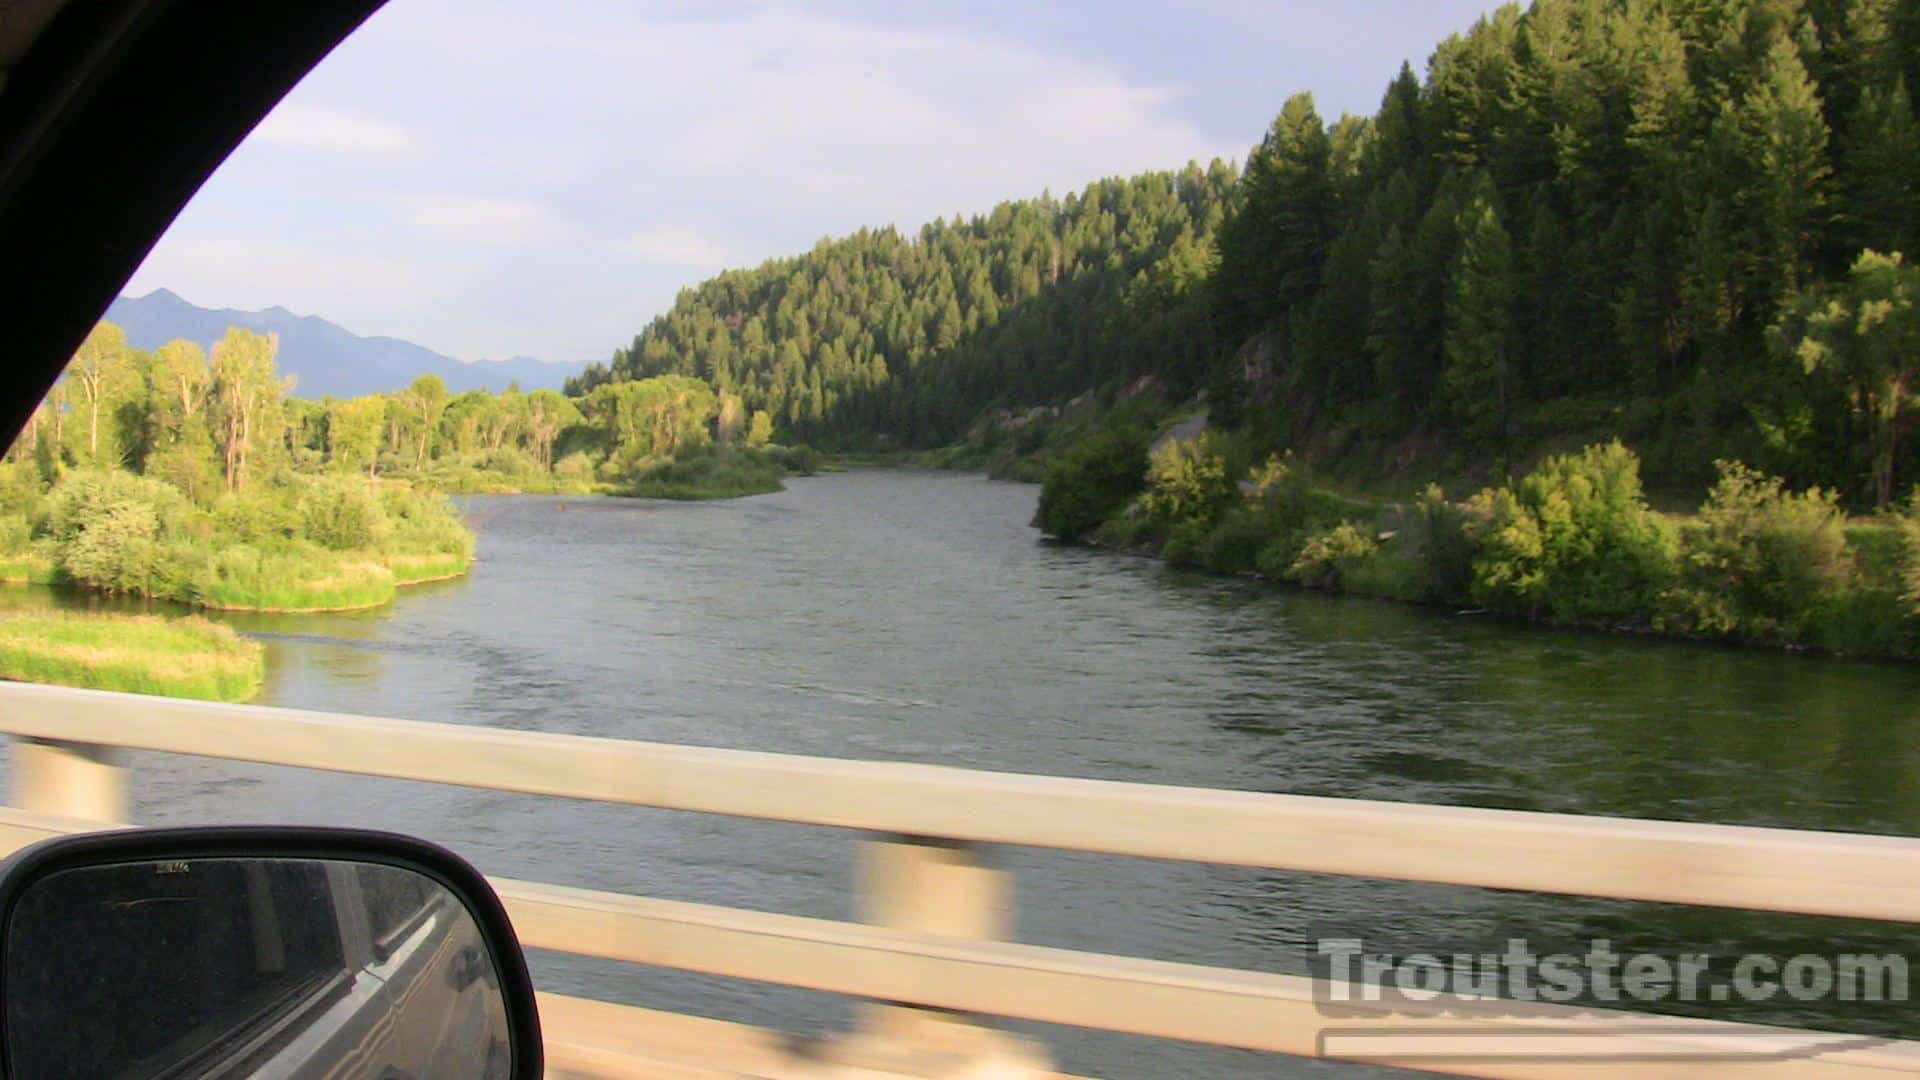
1588,219
1592,218
882,333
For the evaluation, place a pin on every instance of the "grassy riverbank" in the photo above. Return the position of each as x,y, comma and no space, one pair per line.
292,544
144,654
1572,543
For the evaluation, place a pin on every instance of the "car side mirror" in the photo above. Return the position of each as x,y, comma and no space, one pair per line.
258,951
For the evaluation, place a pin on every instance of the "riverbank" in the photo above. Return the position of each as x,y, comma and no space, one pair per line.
711,473
1574,543
188,657
293,544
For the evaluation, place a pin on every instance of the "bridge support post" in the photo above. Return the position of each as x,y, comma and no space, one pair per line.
76,780
942,888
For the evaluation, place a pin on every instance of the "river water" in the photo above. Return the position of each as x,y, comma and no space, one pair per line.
917,617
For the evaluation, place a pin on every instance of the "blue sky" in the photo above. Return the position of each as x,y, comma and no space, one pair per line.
499,177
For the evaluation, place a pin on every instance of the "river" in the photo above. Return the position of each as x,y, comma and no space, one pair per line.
917,617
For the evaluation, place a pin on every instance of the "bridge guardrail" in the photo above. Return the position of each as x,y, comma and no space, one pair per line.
935,912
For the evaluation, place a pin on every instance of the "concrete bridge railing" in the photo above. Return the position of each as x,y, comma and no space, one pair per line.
932,955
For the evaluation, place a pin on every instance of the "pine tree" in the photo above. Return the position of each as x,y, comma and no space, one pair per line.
1477,382
1786,140
1881,205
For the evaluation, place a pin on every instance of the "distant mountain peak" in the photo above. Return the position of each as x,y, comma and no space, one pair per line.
325,358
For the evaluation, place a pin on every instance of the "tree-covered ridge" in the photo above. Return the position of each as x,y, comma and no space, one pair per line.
911,336
1587,218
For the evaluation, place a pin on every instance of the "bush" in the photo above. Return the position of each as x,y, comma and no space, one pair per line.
15,534
1186,544
258,515
1390,573
1758,561
1233,547
1909,525
1325,559
1187,480
116,550
1575,540
802,459
341,514
421,522
1276,557
20,490
108,528
188,466
705,477
1092,482
1434,537
574,470
1282,490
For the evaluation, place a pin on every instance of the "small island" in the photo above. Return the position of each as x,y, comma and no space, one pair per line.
197,480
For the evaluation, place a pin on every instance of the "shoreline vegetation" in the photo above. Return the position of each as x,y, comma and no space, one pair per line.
197,479
1687,229
189,657
1571,543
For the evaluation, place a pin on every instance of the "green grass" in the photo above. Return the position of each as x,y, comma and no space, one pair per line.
26,568
704,478
144,654
415,568
243,579
660,489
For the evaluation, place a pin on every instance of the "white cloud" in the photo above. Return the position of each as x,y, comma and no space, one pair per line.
590,160
679,245
252,272
483,218
318,128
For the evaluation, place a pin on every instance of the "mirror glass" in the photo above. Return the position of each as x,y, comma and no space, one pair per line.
249,967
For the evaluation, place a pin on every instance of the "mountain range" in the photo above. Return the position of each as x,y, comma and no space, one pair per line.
326,358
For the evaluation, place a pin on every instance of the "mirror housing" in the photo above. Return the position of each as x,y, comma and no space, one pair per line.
259,949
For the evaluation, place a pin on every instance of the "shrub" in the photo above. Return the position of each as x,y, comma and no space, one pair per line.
802,459
1233,547
1758,561
706,477
1276,557
341,514
15,534
421,521
1282,490
258,515
576,469
1434,538
188,466
115,551
1575,540
1909,525
1092,482
20,490
107,528
1186,544
1127,531
1187,480
1326,557
84,497
1390,572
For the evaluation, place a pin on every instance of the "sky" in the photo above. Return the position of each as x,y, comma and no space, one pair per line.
540,177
